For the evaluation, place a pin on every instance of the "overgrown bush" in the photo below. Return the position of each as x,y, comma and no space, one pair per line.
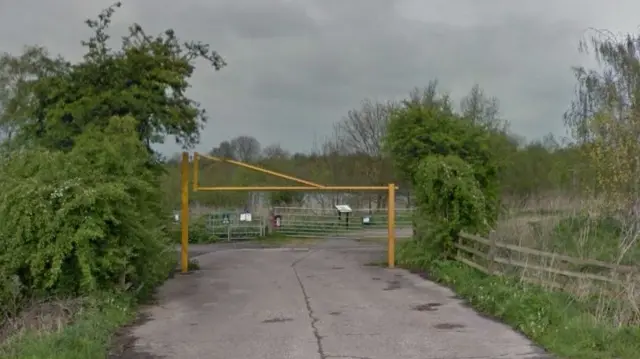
449,200
85,220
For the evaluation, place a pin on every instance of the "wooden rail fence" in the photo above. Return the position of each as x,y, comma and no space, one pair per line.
497,258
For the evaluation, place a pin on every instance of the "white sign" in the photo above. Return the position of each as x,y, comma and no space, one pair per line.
343,208
245,217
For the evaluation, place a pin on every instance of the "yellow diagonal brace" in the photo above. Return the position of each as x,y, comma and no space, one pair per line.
260,169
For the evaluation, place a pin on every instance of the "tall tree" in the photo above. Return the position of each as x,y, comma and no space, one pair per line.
17,74
146,78
362,133
481,109
224,150
246,148
605,116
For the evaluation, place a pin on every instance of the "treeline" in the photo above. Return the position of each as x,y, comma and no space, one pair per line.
355,155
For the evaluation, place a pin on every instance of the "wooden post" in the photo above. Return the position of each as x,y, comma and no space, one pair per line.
492,253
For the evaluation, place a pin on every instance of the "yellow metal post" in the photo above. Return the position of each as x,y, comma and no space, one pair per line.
196,168
184,213
294,188
391,222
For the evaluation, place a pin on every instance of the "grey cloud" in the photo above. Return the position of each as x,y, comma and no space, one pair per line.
295,67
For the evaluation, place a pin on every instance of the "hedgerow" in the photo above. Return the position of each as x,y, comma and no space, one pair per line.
83,221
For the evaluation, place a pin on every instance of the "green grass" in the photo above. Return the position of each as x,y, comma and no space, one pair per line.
555,321
87,337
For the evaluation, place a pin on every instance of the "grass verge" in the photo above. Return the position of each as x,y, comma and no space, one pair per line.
87,337
556,321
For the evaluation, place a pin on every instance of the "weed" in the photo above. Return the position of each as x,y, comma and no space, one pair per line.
87,337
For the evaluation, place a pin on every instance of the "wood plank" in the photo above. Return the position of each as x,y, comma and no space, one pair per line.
555,271
565,258
474,237
624,269
472,264
471,250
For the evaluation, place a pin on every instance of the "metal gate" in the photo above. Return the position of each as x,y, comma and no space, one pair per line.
234,225
304,222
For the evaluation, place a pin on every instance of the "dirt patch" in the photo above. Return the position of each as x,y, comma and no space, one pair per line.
123,342
42,317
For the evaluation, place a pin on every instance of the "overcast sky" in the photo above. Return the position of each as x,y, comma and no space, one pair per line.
297,66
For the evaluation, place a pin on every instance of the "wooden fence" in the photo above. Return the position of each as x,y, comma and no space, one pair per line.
545,268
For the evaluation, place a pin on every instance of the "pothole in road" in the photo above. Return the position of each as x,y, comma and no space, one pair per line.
429,307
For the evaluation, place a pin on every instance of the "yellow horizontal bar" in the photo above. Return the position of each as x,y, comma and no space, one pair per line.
296,188
257,169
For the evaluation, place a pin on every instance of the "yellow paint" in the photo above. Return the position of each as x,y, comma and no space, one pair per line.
260,169
391,223
310,186
184,215
294,188
196,168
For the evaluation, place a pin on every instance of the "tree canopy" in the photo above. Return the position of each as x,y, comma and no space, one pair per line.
146,78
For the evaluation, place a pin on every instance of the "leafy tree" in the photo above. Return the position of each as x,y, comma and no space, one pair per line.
17,75
81,209
224,150
482,110
146,79
605,116
246,148
427,136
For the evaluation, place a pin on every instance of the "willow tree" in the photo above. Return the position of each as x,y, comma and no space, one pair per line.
605,116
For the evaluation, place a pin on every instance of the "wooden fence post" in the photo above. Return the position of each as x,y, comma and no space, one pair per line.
492,252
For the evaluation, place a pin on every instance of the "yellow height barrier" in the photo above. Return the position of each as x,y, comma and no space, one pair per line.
308,187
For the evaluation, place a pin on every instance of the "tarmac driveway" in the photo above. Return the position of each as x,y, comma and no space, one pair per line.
323,302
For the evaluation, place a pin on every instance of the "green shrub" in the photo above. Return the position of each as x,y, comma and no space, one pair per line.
86,220
451,166
449,200
431,128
